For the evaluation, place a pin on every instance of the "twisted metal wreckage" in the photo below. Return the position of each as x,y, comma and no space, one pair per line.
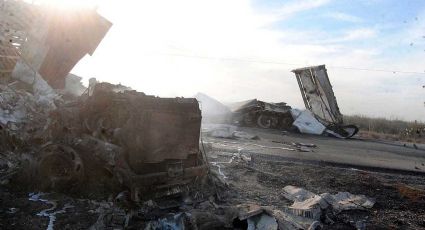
319,99
137,141
142,140
110,138
322,115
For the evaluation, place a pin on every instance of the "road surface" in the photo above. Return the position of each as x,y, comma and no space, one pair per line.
354,153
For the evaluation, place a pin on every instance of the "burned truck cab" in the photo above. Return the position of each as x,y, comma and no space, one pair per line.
146,143
159,136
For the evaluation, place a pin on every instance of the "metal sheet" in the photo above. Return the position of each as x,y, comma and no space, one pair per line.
318,94
51,40
71,36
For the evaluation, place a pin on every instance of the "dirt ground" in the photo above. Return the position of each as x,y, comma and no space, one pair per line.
398,204
249,178
395,208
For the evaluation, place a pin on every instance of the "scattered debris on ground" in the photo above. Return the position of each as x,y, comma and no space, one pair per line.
291,190
50,152
108,157
226,131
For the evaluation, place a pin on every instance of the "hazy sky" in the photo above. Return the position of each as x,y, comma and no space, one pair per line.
236,50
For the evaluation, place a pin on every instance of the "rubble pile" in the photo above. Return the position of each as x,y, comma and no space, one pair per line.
130,160
137,161
56,135
317,207
215,214
118,141
124,130
308,210
23,122
106,141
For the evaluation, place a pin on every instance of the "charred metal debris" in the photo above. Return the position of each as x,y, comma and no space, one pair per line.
124,139
106,140
262,114
58,136
322,116
109,140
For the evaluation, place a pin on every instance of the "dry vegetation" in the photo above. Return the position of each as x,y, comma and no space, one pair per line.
381,128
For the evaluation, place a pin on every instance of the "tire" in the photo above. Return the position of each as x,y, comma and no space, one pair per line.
59,167
263,121
346,131
266,121
351,130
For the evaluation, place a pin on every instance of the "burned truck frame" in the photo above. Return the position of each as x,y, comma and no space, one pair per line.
262,114
108,136
318,96
142,143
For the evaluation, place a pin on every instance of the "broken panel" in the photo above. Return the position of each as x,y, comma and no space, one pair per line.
319,98
46,40
317,93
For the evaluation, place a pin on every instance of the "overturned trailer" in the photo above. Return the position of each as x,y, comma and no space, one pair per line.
318,96
262,114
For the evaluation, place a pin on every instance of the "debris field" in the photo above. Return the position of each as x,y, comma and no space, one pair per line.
109,157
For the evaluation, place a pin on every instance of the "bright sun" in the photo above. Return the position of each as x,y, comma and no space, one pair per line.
67,4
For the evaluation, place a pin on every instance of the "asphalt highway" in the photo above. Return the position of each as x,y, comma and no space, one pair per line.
356,153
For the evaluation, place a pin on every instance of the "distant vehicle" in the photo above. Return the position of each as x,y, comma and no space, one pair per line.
262,114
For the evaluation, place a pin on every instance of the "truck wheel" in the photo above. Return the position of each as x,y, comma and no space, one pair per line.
59,167
264,121
350,130
345,131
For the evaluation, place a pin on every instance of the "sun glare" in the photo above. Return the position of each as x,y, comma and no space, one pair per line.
68,4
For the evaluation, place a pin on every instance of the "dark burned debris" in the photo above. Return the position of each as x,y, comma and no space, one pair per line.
144,142
262,114
139,154
104,142
133,160
108,140
139,142
322,116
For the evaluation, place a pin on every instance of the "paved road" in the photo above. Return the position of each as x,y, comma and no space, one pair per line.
348,153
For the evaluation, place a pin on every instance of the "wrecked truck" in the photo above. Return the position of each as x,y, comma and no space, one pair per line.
133,141
110,138
318,96
262,114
